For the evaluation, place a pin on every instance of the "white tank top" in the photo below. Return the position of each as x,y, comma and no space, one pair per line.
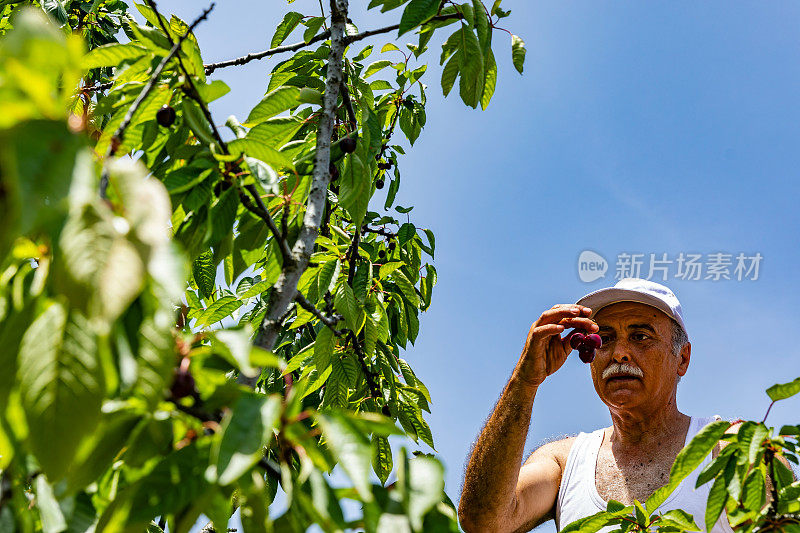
578,496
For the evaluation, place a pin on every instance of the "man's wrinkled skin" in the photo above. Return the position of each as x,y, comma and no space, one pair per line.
638,449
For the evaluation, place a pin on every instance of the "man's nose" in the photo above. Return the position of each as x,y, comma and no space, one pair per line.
620,354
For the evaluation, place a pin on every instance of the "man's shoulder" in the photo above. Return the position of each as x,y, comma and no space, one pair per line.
557,448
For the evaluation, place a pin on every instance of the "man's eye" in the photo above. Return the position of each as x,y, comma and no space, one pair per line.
605,338
641,336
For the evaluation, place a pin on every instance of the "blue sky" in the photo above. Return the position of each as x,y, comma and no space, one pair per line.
657,127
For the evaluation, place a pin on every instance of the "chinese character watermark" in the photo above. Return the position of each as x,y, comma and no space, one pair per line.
716,266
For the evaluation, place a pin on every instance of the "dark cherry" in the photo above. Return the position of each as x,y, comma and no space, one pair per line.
348,145
182,384
165,116
586,354
593,340
576,339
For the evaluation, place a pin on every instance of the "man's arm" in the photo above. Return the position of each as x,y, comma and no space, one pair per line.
489,497
538,485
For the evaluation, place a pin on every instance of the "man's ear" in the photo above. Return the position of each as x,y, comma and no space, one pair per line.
685,357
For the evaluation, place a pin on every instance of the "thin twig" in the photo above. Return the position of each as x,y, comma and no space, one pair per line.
371,383
348,105
97,87
767,413
211,67
116,138
379,231
260,210
329,321
192,92
353,257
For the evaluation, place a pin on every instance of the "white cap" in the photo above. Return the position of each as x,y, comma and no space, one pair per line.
636,290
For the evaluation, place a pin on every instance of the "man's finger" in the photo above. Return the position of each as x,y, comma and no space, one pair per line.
554,314
586,324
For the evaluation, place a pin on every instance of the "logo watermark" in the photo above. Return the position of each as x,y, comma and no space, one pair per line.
717,266
591,266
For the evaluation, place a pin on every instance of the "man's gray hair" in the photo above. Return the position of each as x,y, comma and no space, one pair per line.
679,340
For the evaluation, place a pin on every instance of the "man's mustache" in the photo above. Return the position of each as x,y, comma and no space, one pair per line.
621,369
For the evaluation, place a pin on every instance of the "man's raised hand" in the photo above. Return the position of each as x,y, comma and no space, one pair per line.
545,350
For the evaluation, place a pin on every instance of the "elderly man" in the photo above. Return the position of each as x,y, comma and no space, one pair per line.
645,351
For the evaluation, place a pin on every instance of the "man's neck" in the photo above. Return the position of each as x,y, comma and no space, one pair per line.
647,429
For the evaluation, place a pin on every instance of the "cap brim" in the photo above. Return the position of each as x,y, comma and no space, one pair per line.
611,295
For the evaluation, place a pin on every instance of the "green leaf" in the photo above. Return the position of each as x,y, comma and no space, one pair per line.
681,518
61,385
204,273
641,514
112,55
382,457
450,73
49,512
406,233
102,265
712,469
406,287
362,280
517,52
470,65
212,91
591,524
286,26
217,311
425,487
276,101
350,447
223,215
481,23
372,68
235,346
275,131
717,498
336,389
355,188
688,459
782,391
310,96
614,506
260,151
490,80
312,27
761,432
245,432
323,348
415,13
755,491
346,304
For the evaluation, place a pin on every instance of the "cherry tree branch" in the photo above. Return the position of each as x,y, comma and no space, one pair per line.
285,288
211,67
329,321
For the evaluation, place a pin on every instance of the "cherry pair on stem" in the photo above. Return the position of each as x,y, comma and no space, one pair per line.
585,344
